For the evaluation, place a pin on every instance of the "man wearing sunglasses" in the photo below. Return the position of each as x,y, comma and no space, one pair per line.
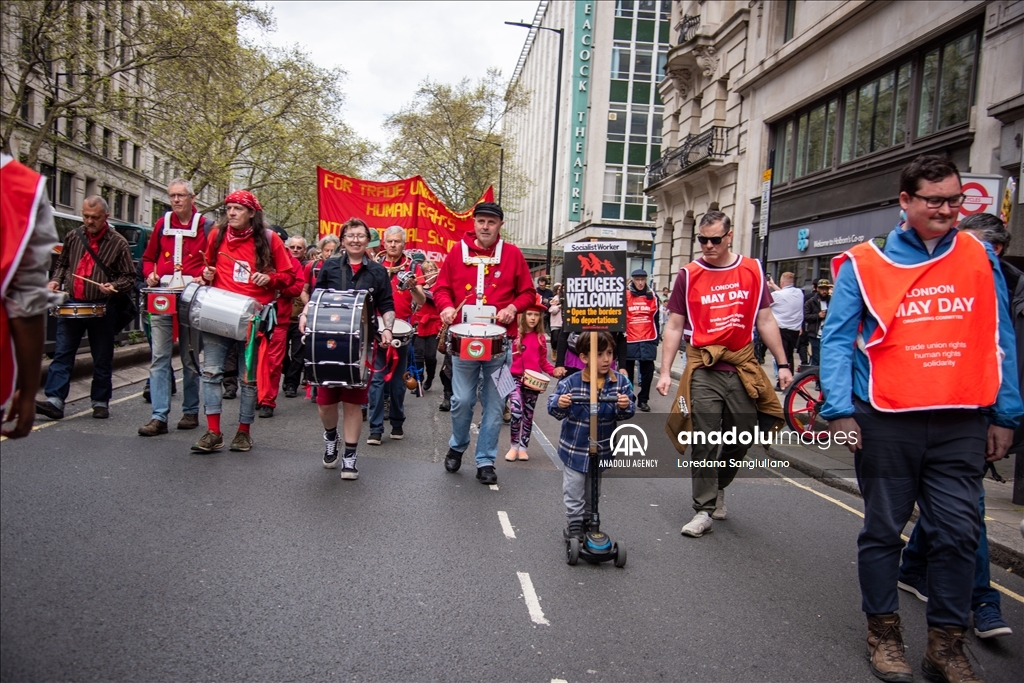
920,377
716,302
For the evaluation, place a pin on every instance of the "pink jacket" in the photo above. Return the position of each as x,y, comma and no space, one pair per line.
531,353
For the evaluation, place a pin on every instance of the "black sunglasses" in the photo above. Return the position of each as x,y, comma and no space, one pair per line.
716,240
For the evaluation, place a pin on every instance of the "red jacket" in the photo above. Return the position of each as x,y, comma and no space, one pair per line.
289,293
531,353
228,263
428,319
508,282
159,253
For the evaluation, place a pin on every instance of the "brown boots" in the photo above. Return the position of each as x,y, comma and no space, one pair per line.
885,649
944,658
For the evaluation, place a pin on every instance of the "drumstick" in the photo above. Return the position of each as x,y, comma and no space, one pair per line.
98,284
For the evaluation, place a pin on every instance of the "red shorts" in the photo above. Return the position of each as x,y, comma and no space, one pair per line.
328,396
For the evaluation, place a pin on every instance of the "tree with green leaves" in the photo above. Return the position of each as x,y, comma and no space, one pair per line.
450,135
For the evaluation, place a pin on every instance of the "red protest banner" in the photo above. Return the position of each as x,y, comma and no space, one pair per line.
430,226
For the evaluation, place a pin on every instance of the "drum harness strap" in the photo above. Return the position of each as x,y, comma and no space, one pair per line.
481,263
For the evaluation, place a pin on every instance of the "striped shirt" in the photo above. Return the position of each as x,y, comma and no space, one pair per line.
113,251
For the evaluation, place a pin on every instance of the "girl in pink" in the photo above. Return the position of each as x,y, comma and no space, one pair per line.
528,353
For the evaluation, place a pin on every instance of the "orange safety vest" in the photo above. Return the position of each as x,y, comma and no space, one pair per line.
22,191
640,312
937,341
722,303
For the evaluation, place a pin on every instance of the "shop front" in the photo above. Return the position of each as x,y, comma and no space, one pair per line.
806,250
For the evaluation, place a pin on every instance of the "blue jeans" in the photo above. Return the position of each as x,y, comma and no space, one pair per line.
101,345
215,350
396,389
466,375
160,371
915,561
815,351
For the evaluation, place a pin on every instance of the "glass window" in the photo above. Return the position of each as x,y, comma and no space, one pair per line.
612,184
635,184
882,135
614,152
790,21
815,139
638,126
929,77
623,8
645,30
782,145
899,134
133,205
801,147
611,211
656,125
865,116
617,122
642,63
955,81
646,9
621,60
849,124
619,91
65,188
830,133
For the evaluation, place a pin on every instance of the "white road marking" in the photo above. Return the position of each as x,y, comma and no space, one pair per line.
493,487
1001,589
83,413
506,526
532,602
559,680
548,448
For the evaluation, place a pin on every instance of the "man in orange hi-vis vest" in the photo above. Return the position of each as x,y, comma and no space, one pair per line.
919,370
716,302
27,236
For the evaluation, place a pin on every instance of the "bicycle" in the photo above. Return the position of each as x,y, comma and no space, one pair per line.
802,401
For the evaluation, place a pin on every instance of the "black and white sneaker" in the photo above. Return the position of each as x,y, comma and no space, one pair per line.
374,438
348,468
330,452
397,433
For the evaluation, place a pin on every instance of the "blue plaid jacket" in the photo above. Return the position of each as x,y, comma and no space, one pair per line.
574,441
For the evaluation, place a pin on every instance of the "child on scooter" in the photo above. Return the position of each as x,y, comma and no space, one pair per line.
574,440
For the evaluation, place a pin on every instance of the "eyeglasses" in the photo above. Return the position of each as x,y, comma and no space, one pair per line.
716,240
936,202
179,196
356,236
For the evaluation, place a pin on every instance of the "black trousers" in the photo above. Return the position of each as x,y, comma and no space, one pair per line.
293,357
646,377
789,341
426,356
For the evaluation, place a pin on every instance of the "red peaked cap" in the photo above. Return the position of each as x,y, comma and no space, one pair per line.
538,306
245,198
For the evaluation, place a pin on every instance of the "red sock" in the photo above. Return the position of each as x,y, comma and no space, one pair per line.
244,428
213,423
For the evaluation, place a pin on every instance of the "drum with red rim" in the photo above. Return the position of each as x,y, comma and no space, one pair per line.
477,341
162,300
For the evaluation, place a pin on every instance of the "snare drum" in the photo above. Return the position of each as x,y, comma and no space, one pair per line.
216,311
81,309
401,333
162,300
536,381
339,339
477,341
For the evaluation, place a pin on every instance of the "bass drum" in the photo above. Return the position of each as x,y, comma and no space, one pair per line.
338,339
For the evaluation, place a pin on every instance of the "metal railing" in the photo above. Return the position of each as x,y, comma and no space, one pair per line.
688,27
712,143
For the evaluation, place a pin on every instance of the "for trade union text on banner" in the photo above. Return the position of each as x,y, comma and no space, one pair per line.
430,226
595,287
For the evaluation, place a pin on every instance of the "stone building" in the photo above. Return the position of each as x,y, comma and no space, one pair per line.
845,93
609,126
113,155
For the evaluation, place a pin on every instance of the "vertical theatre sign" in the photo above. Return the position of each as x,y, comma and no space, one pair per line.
583,49
595,287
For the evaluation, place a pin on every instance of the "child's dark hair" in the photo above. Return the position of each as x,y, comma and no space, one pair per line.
604,341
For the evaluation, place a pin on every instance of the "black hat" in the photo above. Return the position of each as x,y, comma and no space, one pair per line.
824,283
639,272
488,209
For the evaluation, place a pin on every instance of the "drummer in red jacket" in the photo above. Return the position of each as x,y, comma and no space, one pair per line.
244,256
486,279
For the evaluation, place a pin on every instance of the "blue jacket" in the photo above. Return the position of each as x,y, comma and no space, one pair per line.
574,440
844,370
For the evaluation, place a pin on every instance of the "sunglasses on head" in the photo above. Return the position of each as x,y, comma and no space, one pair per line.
716,240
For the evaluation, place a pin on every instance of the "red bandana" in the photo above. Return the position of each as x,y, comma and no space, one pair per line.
245,198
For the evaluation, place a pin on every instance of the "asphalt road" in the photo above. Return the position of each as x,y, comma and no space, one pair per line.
130,559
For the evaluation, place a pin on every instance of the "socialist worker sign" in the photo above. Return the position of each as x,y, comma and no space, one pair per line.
595,287
430,226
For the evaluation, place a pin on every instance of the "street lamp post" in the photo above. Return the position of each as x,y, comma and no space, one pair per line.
554,147
501,163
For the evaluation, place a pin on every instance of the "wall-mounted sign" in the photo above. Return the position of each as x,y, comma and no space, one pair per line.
582,58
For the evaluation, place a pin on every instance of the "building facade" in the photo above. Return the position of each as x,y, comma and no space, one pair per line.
112,155
837,97
609,125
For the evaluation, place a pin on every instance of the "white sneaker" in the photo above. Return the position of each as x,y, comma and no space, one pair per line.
348,469
698,526
720,511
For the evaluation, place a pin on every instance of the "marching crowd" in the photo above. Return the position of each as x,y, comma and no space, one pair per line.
921,431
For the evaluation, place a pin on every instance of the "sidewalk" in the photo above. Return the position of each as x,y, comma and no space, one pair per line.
834,466
131,365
